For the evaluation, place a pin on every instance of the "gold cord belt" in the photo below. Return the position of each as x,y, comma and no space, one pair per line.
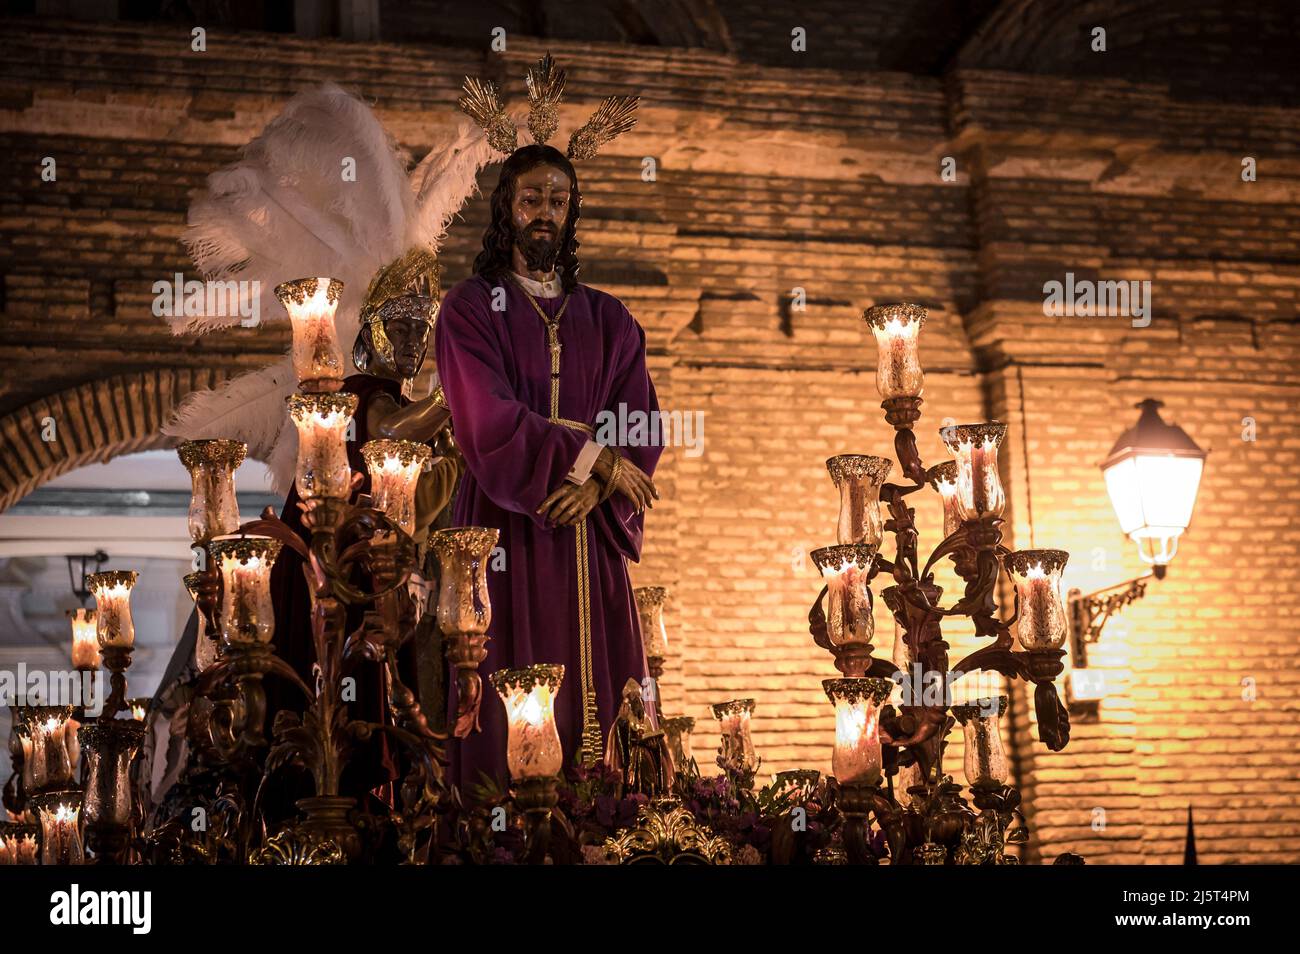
592,744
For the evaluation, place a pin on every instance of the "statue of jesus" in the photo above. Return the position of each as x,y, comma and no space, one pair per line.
529,358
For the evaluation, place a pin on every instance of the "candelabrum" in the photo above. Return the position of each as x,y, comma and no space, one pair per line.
929,822
357,554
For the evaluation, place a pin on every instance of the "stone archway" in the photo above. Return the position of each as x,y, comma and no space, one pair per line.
91,423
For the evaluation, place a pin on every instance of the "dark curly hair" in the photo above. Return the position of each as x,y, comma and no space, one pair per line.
494,262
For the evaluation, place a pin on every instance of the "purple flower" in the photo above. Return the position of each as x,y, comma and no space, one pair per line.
605,806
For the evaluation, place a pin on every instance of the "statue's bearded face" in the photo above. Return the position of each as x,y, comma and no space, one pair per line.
539,212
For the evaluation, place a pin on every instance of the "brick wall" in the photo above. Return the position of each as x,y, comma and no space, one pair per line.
773,179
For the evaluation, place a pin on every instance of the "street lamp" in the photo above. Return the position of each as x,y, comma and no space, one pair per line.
1152,474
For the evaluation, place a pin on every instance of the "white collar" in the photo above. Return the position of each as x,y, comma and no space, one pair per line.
547,289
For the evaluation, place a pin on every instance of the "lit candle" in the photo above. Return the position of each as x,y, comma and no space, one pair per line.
943,479
859,478
138,710
247,613
856,756
61,834
897,329
736,751
46,748
317,357
1037,576
18,849
322,421
394,468
979,488
650,610
85,641
205,647
214,508
848,598
985,761
533,742
29,765
113,623
72,742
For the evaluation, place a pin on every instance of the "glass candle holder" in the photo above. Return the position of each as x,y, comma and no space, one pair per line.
859,477
650,608
848,598
801,783
247,615
113,623
61,831
317,357
214,509
1042,622
205,647
979,488
85,640
679,729
943,479
736,751
48,764
463,603
856,757
110,747
897,329
464,612
322,421
394,468
533,742
985,760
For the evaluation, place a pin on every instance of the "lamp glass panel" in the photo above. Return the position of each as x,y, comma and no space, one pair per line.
1153,495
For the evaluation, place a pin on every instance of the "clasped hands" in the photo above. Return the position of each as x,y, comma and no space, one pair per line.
571,503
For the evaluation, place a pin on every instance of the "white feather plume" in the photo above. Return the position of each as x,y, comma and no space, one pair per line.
323,191
250,408
445,178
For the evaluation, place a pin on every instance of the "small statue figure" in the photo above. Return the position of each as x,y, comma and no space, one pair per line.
637,748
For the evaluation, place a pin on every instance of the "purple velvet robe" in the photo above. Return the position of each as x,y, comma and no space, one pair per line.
495,368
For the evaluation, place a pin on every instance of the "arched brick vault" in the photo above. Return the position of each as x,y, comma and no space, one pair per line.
92,423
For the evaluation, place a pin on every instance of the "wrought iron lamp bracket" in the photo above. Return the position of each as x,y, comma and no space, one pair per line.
1090,612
